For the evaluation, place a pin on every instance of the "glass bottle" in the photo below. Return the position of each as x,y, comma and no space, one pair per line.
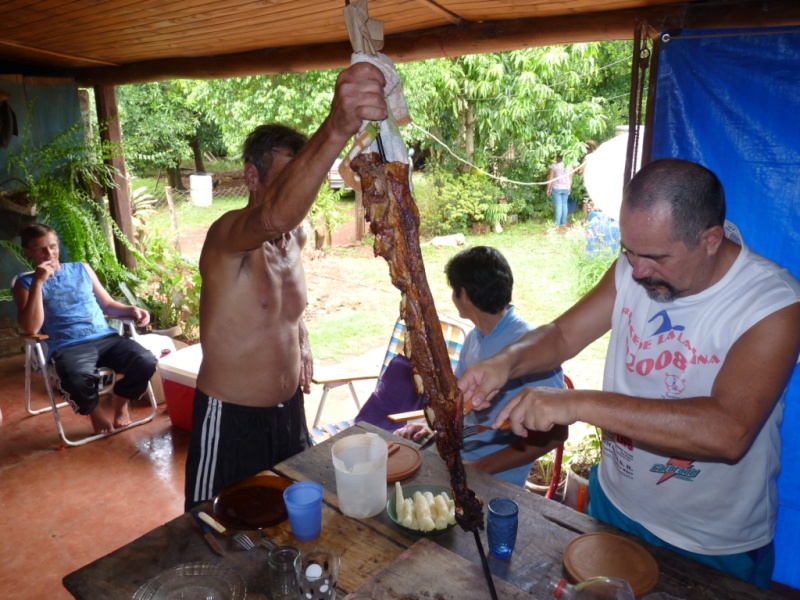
596,588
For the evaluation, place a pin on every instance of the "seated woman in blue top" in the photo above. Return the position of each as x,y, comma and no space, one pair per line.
482,283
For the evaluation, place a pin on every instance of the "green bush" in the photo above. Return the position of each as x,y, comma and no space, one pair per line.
171,290
450,203
589,268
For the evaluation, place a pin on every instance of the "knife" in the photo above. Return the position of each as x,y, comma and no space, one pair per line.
207,534
428,441
210,521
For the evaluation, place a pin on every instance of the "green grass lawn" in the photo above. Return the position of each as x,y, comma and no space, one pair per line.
548,268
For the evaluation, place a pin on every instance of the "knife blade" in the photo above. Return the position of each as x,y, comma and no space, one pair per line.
428,441
207,534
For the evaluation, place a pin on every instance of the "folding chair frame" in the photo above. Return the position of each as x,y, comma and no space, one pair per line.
34,350
454,337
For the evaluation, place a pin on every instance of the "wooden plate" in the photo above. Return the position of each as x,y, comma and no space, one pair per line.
402,463
252,503
604,554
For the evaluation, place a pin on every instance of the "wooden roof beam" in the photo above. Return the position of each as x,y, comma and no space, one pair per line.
453,41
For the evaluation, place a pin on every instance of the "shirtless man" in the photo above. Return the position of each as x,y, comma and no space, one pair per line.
66,302
248,408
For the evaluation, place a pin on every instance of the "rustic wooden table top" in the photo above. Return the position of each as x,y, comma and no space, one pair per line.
368,546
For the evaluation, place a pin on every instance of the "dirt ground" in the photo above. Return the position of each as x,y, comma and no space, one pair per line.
329,278
333,284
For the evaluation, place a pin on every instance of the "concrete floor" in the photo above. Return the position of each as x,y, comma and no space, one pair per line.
63,508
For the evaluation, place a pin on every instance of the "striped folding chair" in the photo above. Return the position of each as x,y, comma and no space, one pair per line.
454,334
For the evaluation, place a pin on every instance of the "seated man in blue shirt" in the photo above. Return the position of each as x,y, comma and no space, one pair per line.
482,283
66,302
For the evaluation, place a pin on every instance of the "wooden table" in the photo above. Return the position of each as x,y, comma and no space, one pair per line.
368,546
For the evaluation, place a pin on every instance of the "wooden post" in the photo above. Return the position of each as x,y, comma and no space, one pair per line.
173,217
360,229
119,203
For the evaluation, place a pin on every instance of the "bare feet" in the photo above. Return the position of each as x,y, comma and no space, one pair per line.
100,422
121,416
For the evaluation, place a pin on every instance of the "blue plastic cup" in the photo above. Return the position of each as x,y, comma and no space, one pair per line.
304,505
502,527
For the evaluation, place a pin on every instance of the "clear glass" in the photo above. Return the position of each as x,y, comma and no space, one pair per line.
282,578
596,588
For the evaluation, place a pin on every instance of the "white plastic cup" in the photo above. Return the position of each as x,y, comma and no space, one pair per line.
360,465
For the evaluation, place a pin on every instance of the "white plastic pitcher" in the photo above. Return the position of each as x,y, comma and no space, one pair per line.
360,465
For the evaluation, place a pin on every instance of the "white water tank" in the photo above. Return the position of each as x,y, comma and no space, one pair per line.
200,188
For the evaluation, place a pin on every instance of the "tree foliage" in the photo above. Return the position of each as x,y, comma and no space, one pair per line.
503,114
160,125
239,105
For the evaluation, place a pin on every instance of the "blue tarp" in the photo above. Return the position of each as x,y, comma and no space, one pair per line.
730,100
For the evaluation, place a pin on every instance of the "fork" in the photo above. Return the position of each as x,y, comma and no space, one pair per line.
244,541
471,430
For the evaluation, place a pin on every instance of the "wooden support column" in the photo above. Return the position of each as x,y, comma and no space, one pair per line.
119,203
360,216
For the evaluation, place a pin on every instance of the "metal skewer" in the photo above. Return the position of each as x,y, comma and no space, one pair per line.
485,563
378,139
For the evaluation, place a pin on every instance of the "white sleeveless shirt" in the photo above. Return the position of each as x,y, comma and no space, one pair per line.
674,350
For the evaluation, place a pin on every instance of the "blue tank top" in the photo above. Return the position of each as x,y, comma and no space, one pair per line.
71,312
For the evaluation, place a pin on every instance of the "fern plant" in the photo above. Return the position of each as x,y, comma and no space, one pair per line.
58,177
16,250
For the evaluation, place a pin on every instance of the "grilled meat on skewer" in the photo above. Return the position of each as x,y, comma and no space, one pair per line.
394,220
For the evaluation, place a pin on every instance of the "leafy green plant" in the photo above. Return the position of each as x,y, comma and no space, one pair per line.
450,203
589,268
142,206
586,453
544,467
58,177
325,213
171,291
16,250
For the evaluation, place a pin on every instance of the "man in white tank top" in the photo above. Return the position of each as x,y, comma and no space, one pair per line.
704,337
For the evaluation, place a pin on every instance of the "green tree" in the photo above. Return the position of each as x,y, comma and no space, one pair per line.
161,127
611,83
239,105
510,113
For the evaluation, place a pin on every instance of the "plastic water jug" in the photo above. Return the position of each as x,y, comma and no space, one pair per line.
360,465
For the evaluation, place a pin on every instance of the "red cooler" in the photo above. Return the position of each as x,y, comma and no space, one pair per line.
178,373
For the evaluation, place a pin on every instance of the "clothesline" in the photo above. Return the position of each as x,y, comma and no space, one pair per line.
477,168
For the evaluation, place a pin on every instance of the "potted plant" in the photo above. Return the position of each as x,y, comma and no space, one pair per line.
171,293
582,457
541,476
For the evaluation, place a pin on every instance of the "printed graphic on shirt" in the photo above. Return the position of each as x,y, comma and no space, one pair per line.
679,468
663,355
667,346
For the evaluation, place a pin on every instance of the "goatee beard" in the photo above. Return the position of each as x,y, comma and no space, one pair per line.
650,286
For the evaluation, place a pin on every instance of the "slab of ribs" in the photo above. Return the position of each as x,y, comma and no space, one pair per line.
394,221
